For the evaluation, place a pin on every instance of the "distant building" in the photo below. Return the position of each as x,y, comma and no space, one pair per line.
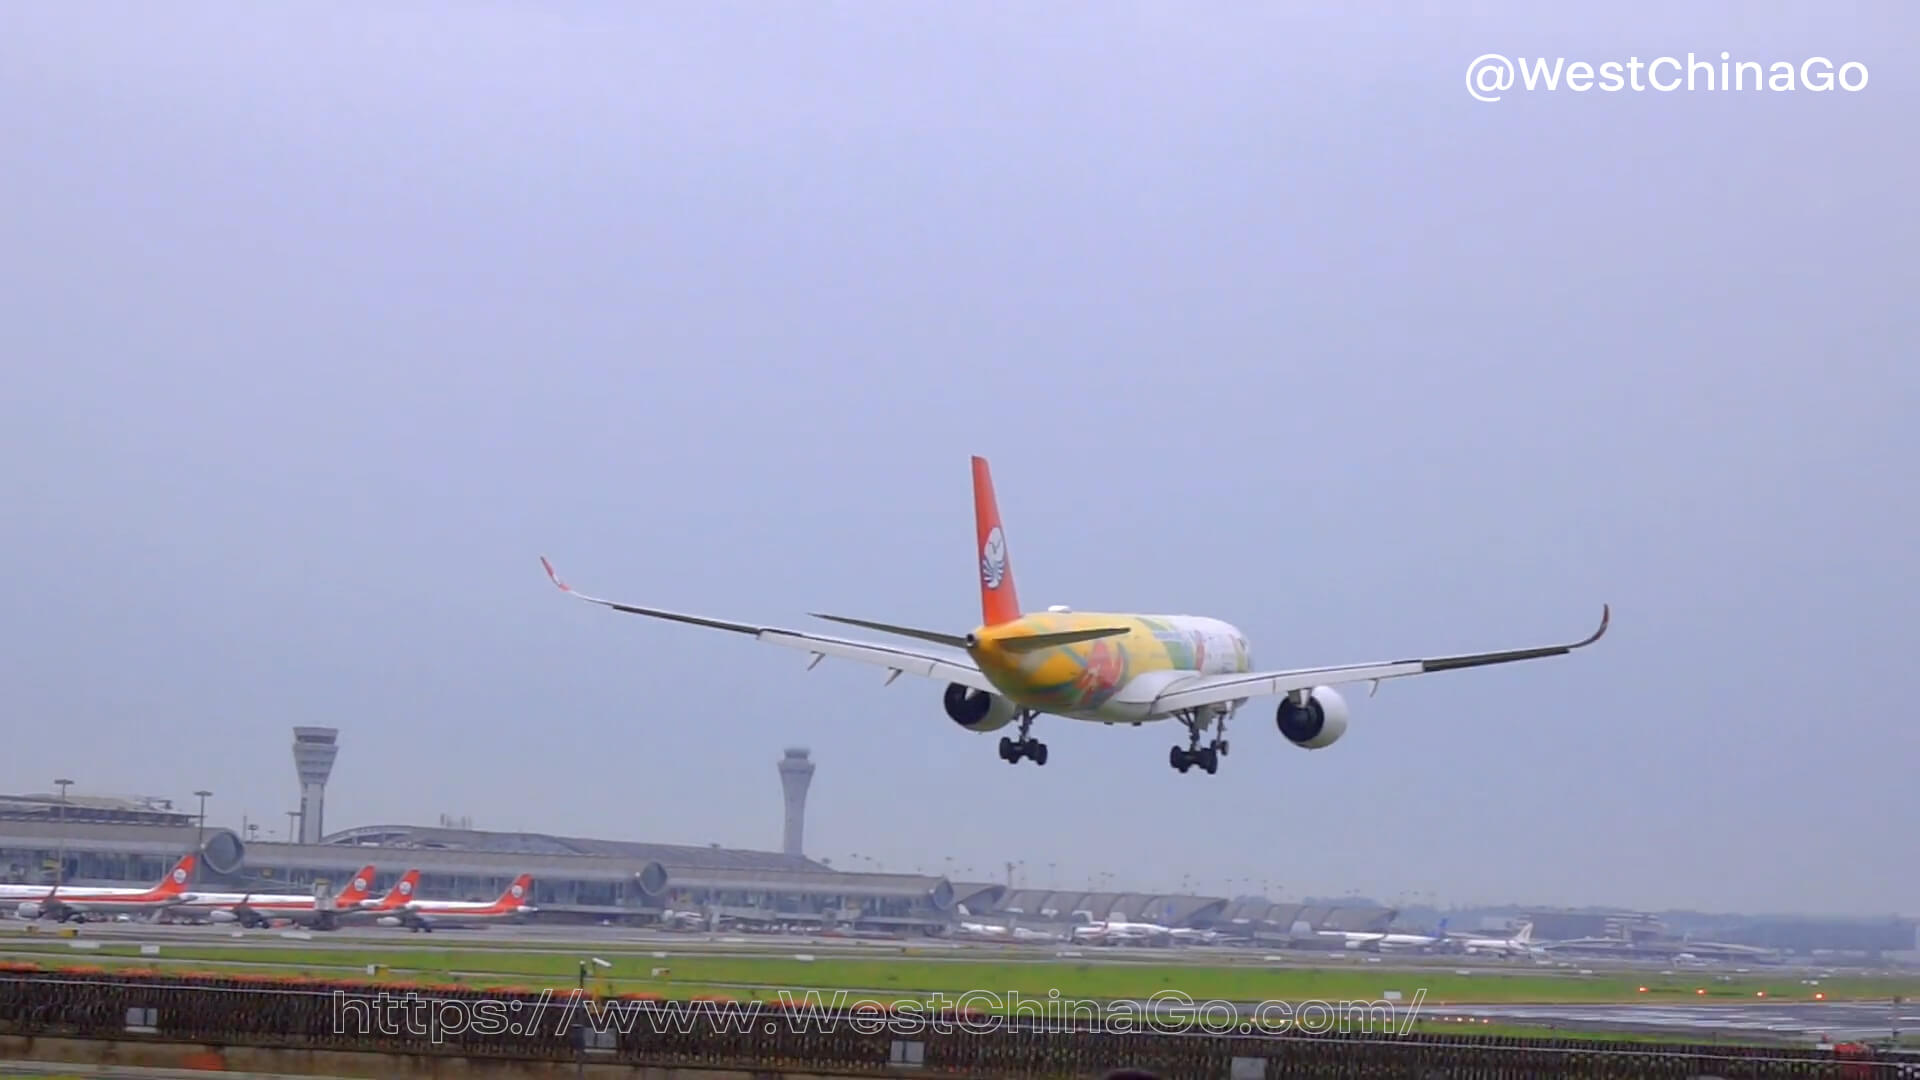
796,774
1560,925
124,810
575,879
1868,937
314,752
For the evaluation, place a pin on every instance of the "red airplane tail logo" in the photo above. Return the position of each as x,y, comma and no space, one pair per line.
999,602
177,878
518,895
402,892
360,888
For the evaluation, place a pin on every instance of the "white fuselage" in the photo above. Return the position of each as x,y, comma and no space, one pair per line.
1521,944
94,903
1355,939
1115,931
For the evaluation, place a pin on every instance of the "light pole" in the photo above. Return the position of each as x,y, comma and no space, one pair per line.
200,835
60,868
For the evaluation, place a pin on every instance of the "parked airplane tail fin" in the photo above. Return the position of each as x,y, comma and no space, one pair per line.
519,894
402,890
176,880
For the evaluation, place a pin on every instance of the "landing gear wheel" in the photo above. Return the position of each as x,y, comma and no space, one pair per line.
1180,758
1209,759
1012,750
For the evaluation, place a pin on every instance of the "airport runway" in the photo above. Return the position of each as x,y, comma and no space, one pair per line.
630,940
1835,1021
1818,1021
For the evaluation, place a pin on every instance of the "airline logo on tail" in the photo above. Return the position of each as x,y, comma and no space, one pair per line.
401,892
516,896
998,601
358,891
176,880
993,559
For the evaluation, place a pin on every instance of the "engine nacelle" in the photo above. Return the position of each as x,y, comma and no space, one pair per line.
28,910
977,710
1315,723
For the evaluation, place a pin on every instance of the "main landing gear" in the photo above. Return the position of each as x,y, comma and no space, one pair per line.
1026,746
1186,757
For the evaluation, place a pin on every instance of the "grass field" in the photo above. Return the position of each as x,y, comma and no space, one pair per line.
916,978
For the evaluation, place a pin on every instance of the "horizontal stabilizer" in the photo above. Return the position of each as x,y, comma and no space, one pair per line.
958,641
1026,643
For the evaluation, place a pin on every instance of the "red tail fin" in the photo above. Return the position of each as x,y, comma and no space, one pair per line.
999,603
360,888
177,878
402,890
518,895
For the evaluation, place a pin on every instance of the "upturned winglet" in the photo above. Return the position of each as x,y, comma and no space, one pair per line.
1606,616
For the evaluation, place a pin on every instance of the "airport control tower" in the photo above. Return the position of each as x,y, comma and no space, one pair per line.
314,749
796,772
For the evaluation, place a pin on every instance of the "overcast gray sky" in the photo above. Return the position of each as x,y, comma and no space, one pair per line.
322,322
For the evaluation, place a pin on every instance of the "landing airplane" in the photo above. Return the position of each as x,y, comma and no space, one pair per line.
1103,668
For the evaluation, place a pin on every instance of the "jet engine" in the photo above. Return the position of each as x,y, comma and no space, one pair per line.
977,710
247,917
412,920
1315,722
31,909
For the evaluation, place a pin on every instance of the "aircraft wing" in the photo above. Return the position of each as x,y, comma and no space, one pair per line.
1206,690
944,666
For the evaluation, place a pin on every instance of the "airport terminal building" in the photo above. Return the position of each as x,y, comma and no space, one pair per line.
82,841
90,840
575,880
